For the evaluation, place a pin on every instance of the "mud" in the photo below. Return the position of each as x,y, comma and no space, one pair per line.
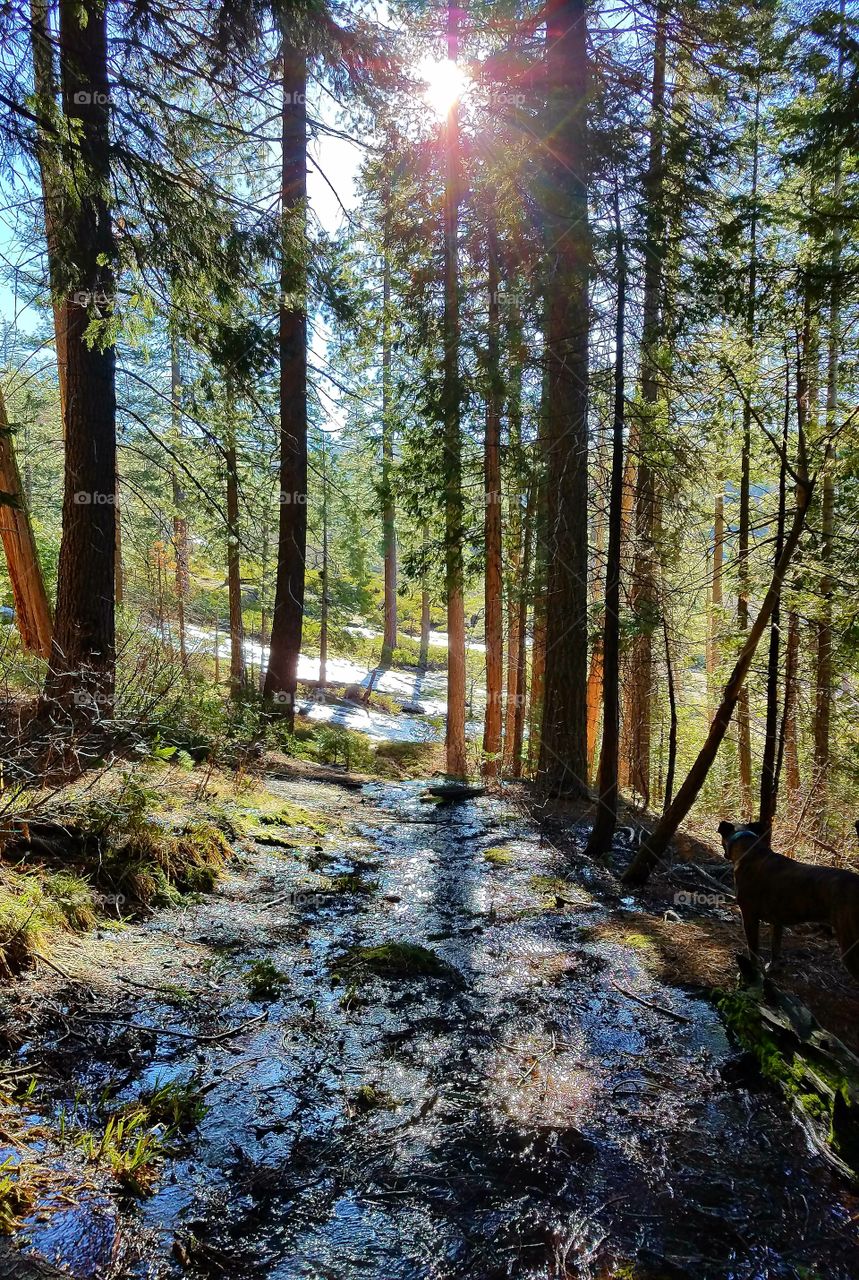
518,1116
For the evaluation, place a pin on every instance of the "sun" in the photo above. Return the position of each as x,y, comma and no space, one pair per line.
445,81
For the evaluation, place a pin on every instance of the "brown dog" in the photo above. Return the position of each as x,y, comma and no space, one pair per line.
782,892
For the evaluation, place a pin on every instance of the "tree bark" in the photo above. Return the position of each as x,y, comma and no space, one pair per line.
323,606
644,594
651,852
281,679
522,627
389,521
744,733
789,725
238,673
32,610
456,762
769,780
180,520
46,108
607,779
563,766
492,521
714,655
81,670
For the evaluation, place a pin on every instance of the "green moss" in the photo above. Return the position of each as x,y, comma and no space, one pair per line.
398,960
265,981
369,1098
349,882
549,886
499,857
829,1106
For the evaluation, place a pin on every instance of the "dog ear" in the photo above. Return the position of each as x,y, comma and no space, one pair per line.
727,829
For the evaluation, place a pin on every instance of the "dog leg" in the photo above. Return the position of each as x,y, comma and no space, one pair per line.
776,931
751,927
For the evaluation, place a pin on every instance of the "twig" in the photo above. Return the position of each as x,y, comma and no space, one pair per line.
649,1004
69,977
214,1038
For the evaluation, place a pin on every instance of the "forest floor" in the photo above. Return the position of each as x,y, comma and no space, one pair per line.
404,1041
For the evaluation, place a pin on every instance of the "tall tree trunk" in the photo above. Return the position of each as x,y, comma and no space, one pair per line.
389,522
238,673
263,617
597,603
714,654
47,111
423,659
323,607
563,766
744,733
522,627
456,763
118,570
512,692
492,521
281,679
607,781
180,520
82,663
789,720
651,852
606,818
672,712
538,646
644,594
769,778
32,610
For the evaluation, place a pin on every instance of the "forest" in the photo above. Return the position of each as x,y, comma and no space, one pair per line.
429,643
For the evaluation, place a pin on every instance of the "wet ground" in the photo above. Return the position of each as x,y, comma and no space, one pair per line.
517,1114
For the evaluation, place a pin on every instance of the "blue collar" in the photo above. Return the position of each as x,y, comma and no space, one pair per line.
744,831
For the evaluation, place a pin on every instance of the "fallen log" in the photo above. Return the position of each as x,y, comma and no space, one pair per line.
812,1068
454,792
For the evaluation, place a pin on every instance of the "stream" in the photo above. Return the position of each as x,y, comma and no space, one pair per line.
517,1115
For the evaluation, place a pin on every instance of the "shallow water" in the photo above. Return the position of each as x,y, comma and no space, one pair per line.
536,1121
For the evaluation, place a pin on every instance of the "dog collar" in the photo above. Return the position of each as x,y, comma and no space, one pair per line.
744,831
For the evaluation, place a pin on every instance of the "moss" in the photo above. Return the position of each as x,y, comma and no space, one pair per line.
829,1106
369,1098
398,960
549,887
265,981
499,857
349,882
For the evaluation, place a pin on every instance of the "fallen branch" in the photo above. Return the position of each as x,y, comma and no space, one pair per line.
69,977
650,1004
213,1038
